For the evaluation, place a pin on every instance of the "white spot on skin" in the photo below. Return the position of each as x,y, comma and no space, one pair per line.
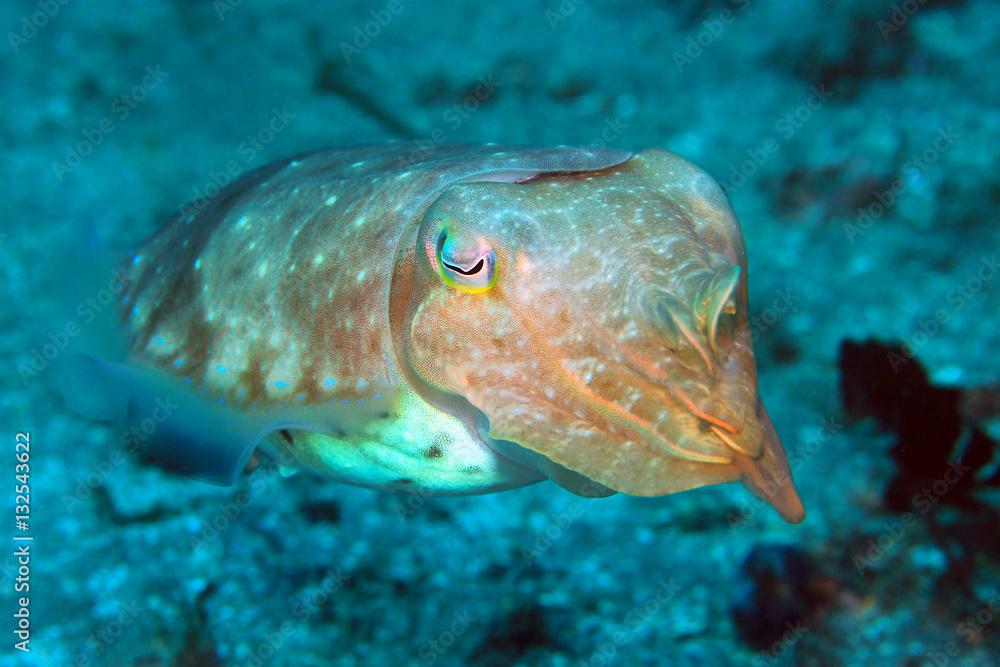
331,200
319,259
262,269
361,276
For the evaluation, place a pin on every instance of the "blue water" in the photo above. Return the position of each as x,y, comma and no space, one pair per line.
857,142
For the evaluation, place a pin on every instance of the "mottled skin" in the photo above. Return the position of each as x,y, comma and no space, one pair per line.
612,353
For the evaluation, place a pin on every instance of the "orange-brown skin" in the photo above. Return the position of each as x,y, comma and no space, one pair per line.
614,343
571,354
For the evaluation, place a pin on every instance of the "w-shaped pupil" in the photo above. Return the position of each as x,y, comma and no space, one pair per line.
471,272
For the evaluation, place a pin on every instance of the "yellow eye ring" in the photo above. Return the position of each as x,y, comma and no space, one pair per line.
473,273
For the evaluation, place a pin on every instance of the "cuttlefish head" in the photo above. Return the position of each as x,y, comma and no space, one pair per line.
599,320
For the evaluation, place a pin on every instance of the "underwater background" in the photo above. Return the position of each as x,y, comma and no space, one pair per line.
857,142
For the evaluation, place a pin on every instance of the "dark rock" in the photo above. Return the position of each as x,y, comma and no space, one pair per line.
774,594
321,511
883,381
524,630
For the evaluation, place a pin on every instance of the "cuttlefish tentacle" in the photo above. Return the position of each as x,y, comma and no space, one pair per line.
716,422
686,324
732,442
715,297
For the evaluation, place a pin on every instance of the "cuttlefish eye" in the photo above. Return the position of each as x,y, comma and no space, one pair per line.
470,267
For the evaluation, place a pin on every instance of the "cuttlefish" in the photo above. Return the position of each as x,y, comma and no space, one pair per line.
454,320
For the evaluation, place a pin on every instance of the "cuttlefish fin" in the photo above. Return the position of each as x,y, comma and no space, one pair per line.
572,481
714,298
163,417
576,483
